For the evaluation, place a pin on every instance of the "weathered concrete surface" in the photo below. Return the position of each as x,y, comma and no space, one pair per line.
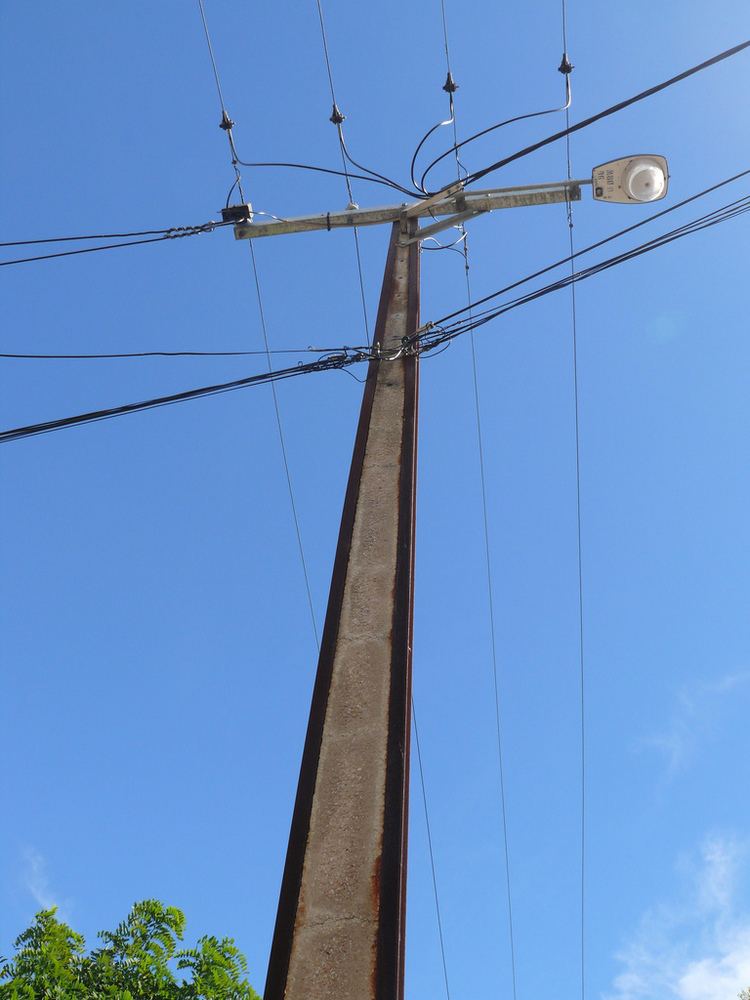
333,954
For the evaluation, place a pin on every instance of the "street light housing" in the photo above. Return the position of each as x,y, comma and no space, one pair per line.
631,180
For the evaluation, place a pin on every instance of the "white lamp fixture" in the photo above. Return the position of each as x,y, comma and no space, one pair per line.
631,179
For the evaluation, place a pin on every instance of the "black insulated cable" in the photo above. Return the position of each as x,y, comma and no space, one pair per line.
595,246
613,109
479,135
442,334
170,235
339,361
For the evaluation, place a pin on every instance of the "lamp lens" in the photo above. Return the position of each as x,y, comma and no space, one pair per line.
645,181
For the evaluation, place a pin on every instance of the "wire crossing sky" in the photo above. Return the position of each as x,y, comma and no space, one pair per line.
158,657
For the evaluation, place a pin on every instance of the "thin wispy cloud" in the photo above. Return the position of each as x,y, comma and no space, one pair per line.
694,718
668,325
698,946
36,881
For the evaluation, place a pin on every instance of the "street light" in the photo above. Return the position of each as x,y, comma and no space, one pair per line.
631,179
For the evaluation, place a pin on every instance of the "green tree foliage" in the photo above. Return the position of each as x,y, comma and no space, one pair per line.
139,960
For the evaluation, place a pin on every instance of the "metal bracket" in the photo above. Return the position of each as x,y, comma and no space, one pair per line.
452,202
441,224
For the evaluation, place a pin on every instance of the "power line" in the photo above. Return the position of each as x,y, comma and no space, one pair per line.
335,173
212,57
443,335
337,362
324,38
171,354
486,131
727,54
97,236
579,537
227,124
596,245
429,341
430,848
282,445
493,640
450,88
170,235
338,118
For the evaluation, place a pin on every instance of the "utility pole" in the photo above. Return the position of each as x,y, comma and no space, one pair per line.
340,925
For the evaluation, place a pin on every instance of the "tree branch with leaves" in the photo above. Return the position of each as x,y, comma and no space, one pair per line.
139,960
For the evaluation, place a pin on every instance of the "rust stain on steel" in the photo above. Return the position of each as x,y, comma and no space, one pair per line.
375,878
340,925
375,882
392,923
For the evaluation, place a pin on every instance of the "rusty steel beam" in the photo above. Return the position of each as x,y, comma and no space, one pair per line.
340,925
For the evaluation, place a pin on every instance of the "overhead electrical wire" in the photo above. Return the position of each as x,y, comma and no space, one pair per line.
421,184
613,109
472,178
579,532
418,185
207,227
337,118
594,246
434,335
99,236
450,87
284,456
227,125
174,354
335,362
433,870
329,170
425,342
493,630
373,173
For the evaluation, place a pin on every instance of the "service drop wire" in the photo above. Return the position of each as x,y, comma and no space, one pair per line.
448,121
171,234
329,170
100,236
337,362
421,186
613,109
374,175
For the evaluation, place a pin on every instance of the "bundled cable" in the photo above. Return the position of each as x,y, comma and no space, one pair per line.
438,333
331,363
166,234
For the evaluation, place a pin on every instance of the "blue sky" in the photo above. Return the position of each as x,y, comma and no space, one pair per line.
157,649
